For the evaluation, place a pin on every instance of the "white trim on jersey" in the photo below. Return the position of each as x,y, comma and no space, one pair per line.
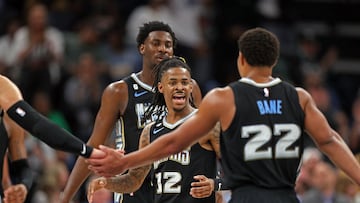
267,84
142,84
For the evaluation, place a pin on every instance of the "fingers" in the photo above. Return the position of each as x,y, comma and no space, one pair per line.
90,193
95,185
200,192
108,165
97,154
202,187
15,194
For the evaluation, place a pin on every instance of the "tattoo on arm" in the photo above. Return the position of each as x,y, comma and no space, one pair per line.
129,182
133,179
216,139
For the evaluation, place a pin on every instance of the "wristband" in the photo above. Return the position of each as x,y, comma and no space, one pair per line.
218,184
22,173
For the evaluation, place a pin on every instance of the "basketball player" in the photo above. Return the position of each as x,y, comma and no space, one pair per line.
171,176
262,119
126,101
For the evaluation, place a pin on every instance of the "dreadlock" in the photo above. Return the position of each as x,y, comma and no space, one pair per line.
158,105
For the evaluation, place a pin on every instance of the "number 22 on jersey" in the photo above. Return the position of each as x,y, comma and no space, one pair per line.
262,134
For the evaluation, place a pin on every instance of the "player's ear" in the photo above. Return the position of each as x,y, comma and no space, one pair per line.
241,59
141,49
160,87
191,85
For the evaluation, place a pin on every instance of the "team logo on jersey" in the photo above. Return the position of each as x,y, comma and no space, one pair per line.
138,94
156,131
266,92
135,86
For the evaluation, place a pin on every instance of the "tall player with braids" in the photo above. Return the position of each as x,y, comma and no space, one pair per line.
124,103
262,120
174,175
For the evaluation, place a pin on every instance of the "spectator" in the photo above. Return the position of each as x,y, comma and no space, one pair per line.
38,51
51,183
120,58
85,39
6,43
83,94
324,180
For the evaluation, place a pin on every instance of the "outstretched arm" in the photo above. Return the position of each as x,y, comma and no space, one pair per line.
41,127
185,135
29,119
327,139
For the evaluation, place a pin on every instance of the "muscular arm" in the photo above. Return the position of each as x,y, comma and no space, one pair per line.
327,139
17,149
113,102
128,182
185,135
39,126
18,190
213,140
131,181
204,186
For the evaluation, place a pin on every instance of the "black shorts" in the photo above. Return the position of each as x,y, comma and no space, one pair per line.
253,194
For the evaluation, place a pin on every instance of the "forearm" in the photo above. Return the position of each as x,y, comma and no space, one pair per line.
129,182
339,153
39,126
77,177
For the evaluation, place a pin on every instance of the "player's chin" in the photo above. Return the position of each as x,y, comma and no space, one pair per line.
178,108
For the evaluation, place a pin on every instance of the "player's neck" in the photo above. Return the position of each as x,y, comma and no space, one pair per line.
260,75
174,116
146,77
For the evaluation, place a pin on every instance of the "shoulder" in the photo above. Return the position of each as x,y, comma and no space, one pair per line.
145,136
218,94
53,32
3,79
115,96
304,96
217,99
6,85
148,127
117,88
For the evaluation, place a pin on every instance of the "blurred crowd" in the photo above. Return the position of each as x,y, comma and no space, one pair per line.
63,53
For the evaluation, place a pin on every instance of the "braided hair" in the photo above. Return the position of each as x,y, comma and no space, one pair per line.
158,106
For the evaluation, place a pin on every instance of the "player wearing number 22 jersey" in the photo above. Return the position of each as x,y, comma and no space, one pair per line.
262,147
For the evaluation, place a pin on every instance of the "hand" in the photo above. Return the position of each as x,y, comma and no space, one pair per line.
204,187
97,154
15,194
95,185
108,165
